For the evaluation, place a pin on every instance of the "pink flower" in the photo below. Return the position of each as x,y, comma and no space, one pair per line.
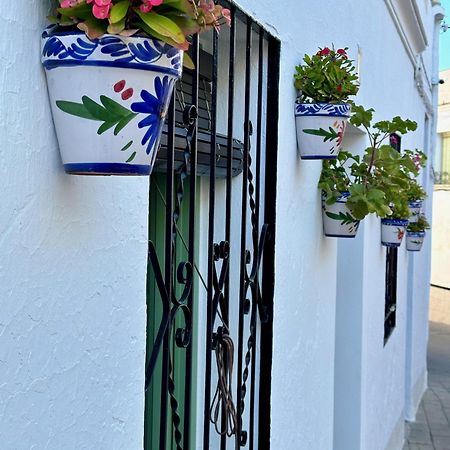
147,5
226,15
324,52
101,12
68,3
341,51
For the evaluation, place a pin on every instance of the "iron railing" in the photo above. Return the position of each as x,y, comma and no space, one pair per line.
235,273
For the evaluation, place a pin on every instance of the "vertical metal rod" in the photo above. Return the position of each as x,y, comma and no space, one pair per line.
256,231
212,186
231,57
168,270
191,250
242,293
268,277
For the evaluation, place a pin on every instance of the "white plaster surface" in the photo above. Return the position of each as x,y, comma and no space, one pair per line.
73,262
72,274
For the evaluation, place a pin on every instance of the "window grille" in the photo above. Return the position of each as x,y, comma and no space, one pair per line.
226,130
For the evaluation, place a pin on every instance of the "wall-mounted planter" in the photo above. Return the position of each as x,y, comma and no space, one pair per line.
338,220
109,98
414,240
392,232
320,129
415,208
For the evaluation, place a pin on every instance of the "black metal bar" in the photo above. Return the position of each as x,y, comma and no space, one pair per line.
168,272
230,129
268,274
212,185
191,250
240,436
256,228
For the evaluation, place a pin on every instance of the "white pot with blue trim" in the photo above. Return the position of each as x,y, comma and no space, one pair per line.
392,232
320,129
414,240
415,207
109,98
338,221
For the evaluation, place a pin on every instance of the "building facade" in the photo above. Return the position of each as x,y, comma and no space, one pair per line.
81,303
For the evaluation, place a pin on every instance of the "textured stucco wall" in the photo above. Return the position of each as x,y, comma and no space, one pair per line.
72,274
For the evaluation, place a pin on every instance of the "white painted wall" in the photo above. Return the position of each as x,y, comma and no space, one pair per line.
73,267
72,274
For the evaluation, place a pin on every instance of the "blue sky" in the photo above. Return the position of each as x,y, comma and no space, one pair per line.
444,56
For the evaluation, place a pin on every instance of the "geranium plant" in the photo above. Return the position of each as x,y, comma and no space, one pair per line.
416,192
171,21
419,226
380,180
329,76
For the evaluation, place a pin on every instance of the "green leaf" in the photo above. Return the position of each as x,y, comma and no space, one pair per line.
162,25
131,157
187,61
119,11
96,110
93,27
113,107
124,122
104,127
81,11
75,109
127,146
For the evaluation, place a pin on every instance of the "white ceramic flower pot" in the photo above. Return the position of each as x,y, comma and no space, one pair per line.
415,208
109,99
414,240
338,220
320,129
392,232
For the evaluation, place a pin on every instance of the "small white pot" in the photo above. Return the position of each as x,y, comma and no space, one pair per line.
392,232
414,240
109,98
415,207
338,220
320,129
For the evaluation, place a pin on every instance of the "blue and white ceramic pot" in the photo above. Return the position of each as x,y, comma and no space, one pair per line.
414,240
337,218
109,98
415,208
320,129
392,232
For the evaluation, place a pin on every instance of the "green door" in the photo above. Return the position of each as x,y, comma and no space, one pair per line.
154,314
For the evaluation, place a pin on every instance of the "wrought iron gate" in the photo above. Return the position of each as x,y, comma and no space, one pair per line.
214,289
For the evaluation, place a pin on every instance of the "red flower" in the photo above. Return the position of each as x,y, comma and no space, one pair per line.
341,51
324,52
127,94
119,86
339,87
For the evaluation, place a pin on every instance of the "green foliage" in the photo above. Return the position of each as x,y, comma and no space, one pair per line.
381,181
173,21
416,192
421,225
328,76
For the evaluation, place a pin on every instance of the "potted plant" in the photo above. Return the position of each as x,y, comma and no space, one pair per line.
111,66
324,81
335,181
377,182
416,196
415,233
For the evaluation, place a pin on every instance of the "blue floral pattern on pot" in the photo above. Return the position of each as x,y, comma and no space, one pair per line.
414,240
75,48
392,232
323,109
155,107
321,128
